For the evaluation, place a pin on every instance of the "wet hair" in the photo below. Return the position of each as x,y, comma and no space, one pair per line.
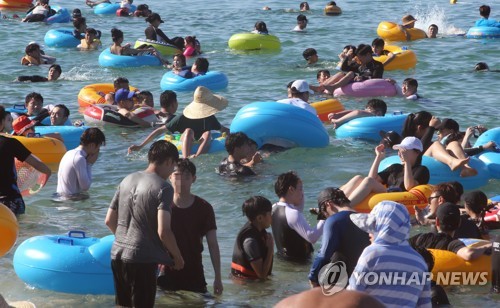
143,95
484,10
56,67
284,182
331,3
91,31
79,21
326,72
119,81
235,140
447,191
348,47
411,82
377,105
181,57
44,1
178,42
31,47
167,98
309,52
63,107
302,17
433,26
186,165
116,34
261,26
255,206
481,66
413,120
76,13
92,135
304,5
33,95
459,189
363,50
190,39
378,42
480,204
201,64
161,151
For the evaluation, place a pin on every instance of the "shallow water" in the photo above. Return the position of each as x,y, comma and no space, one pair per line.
444,72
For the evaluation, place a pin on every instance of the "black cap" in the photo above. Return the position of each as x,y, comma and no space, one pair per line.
391,138
331,193
448,215
449,124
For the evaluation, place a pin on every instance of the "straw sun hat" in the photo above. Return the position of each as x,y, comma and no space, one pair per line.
204,104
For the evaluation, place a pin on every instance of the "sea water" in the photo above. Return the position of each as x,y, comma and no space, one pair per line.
444,72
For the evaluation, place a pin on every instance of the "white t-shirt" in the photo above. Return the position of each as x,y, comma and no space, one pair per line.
75,173
298,103
296,220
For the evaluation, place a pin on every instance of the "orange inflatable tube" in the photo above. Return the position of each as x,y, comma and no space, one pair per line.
323,108
94,93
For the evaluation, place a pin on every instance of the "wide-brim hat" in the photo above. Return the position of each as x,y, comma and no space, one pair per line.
408,19
204,104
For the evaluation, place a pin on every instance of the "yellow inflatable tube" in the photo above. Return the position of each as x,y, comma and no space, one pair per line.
450,269
332,10
323,108
94,93
163,48
416,196
403,60
8,229
49,150
253,41
391,32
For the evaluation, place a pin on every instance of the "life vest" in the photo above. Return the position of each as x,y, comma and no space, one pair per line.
289,243
240,266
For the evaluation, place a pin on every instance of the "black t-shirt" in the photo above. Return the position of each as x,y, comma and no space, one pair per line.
199,126
372,69
189,226
10,148
393,176
234,168
152,34
436,241
34,78
467,228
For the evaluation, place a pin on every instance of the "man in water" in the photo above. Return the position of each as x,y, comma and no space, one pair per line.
54,73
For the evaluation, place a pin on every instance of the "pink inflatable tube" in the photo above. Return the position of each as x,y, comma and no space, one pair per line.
367,88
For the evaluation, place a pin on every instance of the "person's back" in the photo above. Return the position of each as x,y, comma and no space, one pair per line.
485,21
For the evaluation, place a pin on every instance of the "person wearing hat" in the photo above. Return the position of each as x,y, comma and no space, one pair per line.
396,177
390,252
142,11
447,222
407,22
195,123
23,126
125,101
153,32
374,107
341,239
301,23
11,148
300,91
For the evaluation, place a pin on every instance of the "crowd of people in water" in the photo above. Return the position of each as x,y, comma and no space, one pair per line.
159,223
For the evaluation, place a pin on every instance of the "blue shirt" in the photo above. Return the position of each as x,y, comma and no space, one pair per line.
486,22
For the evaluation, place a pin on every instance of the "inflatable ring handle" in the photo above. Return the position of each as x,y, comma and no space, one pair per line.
72,232
64,240
19,106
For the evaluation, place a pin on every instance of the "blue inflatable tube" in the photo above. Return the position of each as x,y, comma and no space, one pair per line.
213,80
107,59
110,8
61,38
442,173
62,15
218,143
280,124
483,32
70,134
70,264
490,158
369,127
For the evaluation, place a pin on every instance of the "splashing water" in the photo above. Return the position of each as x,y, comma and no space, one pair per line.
435,15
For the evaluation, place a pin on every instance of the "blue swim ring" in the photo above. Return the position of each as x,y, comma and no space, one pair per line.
280,124
218,143
107,59
369,127
61,38
440,172
110,8
212,80
70,263
490,158
483,32
70,134
62,15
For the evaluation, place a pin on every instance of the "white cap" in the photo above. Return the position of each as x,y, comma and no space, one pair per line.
409,143
301,86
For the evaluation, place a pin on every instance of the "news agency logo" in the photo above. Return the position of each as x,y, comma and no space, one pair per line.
333,278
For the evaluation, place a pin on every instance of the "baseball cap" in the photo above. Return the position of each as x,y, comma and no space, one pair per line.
448,215
154,16
123,94
409,143
330,193
301,86
449,124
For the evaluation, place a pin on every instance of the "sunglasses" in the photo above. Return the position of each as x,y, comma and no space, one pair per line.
430,198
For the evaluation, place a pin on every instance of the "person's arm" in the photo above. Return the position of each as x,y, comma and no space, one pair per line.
429,133
83,169
168,239
379,156
390,58
111,219
408,177
472,253
164,37
38,165
129,51
156,132
132,117
213,248
297,222
262,267
329,244
350,116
